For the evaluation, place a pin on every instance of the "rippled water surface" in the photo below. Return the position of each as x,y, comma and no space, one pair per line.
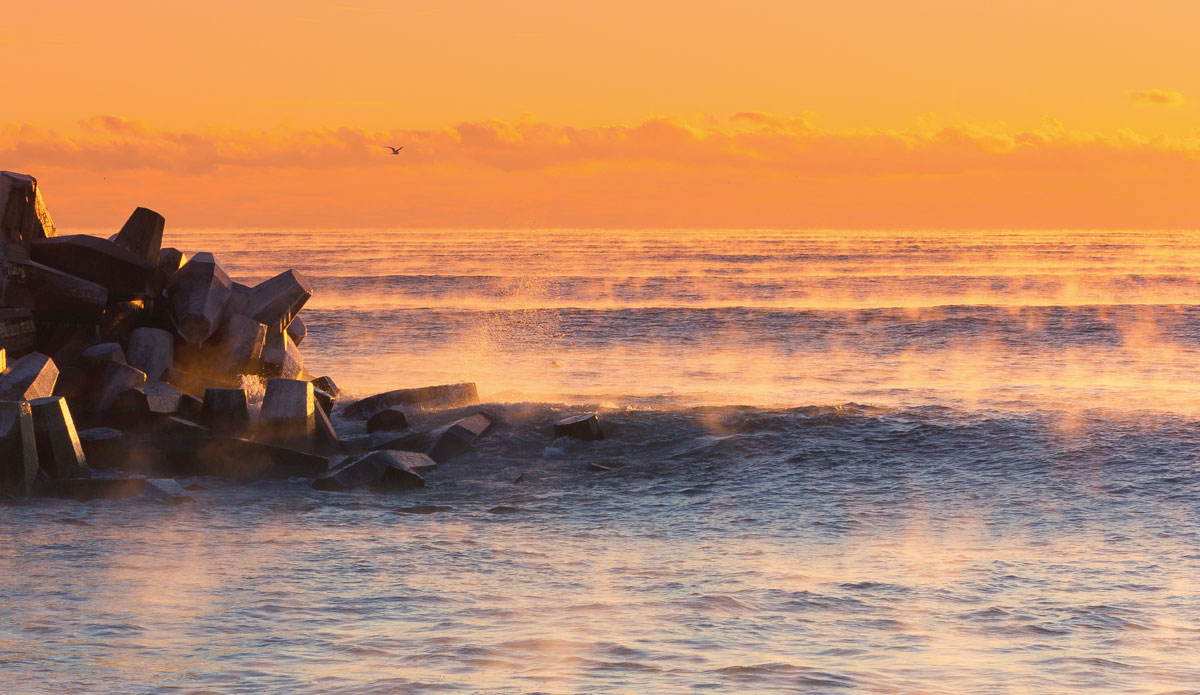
840,463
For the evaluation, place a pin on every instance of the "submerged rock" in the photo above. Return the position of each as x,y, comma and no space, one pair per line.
390,419
382,471
165,490
582,427
444,396
88,489
457,438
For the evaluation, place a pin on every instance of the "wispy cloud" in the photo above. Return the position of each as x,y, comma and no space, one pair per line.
753,169
1155,97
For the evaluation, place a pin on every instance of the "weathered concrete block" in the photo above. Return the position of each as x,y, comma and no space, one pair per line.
49,293
103,447
583,427
288,414
165,490
276,302
198,294
383,471
151,350
32,376
99,355
170,260
390,419
23,213
457,438
325,438
236,347
60,455
326,384
97,260
239,299
226,411
18,333
243,459
88,489
443,396
190,407
297,331
280,356
18,448
142,234
163,398
324,400
115,380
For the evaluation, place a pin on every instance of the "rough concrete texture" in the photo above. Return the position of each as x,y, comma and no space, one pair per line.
198,294
142,234
32,376
23,213
60,455
151,350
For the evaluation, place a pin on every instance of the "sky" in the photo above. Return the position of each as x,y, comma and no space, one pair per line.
758,113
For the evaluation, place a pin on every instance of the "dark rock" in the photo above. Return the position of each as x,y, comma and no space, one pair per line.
236,347
165,490
198,294
190,407
390,419
88,489
326,384
288,414
170,260
50,294
142,234
121,318
116,379
103,447
582,427
444,396
151,350
65,341
226,411
242,459
18,448
297,331
324,400
239,300
456,439
18,334
276,302
23,213
97,260
382,471
326,438
60,455
32,376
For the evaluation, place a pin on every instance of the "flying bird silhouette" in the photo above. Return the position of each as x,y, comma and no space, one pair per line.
395,150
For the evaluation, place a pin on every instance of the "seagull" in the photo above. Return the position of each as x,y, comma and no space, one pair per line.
395,150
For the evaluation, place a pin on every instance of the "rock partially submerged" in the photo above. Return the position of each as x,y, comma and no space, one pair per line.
381,471
442,396
456,439
582,427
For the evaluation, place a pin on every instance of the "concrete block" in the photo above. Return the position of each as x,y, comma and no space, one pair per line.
50,294
23,213
243,459
280,356
99,355
325,438
194,384
236,347
198,294
18,448
65,341
326,384
18,333
32,376
456,439
103,447
120,271
165,490
115,380
324,400
226,411
142,234
60,455
443,396
151,350
383,471
390,419
288,414
297,331
239,299
121,318
582,427
276,302
170,260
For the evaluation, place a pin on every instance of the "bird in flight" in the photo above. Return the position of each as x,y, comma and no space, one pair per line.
395,150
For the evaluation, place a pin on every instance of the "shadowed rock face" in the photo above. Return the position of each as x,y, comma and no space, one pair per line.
18,448
226,411
32,376
18,334
97,260
23,213
49,293
198,294
142,234
276,302
152,351
104,447
60,454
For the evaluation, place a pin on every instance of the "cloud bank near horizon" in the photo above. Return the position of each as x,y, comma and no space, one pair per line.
753,169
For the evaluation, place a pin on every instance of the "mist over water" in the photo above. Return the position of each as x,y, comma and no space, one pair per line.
843,462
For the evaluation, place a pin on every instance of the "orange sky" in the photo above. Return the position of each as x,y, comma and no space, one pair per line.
858,113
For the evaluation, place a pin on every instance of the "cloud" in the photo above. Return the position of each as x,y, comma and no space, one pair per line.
1155,97
753,169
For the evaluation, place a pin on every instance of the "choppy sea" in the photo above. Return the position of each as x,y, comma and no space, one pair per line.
841,462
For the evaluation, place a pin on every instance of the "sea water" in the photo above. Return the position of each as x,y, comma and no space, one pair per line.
841,462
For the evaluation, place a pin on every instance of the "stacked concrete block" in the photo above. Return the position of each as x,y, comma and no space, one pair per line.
18,448
198,293
288,414
32,376
60,454
151,350
23,214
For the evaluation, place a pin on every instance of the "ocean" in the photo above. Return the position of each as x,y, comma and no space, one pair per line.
839,462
